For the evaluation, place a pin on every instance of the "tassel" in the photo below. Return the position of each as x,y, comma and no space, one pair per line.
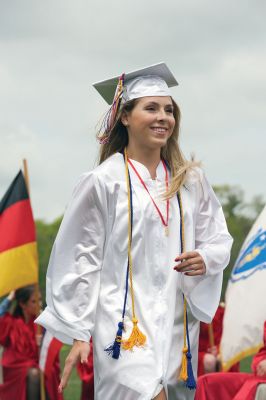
114,349
137,338
183,372
190,383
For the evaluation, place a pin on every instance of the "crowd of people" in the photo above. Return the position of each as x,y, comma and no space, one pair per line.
235,385
21,342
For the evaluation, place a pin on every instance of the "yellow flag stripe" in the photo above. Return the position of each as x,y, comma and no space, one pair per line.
243,354
18,267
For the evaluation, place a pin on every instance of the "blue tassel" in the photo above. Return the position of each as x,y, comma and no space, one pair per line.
190,383
114,349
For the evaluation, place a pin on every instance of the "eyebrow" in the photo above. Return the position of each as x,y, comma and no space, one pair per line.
154,103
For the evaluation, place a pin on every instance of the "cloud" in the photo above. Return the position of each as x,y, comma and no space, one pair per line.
52,52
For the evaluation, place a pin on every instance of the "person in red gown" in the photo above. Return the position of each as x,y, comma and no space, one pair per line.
20,359
234,385
209,342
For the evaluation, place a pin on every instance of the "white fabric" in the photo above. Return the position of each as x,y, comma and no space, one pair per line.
245,310
261,392
158,390
87,270
143,86
47,339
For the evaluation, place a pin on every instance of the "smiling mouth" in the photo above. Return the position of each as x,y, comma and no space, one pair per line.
159,129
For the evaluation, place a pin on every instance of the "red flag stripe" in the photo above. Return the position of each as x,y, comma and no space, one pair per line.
16,226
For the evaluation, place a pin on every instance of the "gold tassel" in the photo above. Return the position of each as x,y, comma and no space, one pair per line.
183,372
137,338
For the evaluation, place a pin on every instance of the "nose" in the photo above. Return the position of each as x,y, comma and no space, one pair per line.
161,115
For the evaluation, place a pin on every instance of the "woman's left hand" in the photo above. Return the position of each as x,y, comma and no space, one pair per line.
191,263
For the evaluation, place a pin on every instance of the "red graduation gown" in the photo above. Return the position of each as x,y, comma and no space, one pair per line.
204,341
20,353
233,385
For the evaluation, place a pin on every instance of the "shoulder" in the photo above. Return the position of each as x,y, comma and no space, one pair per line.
196,182
194,177
111,168
7,322
93,185
7,318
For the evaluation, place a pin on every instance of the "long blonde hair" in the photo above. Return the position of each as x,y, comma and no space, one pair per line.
179,166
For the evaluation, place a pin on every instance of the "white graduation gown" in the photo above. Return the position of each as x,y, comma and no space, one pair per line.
87,270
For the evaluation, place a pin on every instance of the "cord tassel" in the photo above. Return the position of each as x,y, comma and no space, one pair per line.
137,338
114,349
183,372
190,383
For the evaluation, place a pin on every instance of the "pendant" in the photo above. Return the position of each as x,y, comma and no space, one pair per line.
166,230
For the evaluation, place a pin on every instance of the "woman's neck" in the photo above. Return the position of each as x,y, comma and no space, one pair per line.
26,317
149,158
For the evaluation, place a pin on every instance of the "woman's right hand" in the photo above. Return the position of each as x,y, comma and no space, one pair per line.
79,352
11,295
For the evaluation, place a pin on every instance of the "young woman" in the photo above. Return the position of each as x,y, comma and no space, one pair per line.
139,256
18,336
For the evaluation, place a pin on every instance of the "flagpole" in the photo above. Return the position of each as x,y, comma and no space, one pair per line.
37,290
26,175
211,335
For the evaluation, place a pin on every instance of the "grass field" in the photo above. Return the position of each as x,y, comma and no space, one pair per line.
72,392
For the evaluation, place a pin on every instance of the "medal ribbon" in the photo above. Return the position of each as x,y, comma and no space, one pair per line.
164,222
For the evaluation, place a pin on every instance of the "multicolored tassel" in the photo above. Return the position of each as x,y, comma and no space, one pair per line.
109,119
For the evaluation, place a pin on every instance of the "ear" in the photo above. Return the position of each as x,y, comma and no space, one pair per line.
124,119
22,305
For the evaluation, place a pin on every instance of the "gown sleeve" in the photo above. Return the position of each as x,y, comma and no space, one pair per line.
5,329
4,306
213,242
261,355
73,276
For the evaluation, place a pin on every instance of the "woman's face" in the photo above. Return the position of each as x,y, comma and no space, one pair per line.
150,123
30,308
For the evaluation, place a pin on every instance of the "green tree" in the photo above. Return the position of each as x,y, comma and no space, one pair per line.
46,234
240,217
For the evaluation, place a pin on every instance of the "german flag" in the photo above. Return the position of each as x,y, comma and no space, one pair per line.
18,247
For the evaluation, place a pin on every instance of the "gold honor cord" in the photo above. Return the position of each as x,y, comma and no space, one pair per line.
136,338
183,372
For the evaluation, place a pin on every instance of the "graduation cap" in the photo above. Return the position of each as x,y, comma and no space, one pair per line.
154,80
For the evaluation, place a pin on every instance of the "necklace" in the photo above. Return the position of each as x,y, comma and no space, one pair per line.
164,221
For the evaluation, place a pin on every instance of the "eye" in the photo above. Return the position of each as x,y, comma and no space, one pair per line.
150,108
169,110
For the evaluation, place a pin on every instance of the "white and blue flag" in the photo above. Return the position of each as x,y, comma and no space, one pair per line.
245,310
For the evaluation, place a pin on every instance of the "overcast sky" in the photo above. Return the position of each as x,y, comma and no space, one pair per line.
52,51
